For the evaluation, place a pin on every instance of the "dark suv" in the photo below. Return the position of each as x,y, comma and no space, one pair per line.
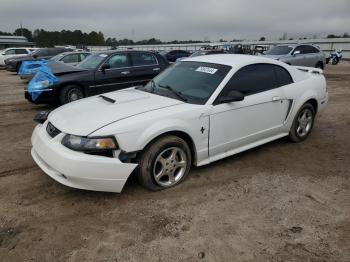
13,63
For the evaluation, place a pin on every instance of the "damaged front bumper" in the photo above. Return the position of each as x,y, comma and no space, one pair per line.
77,169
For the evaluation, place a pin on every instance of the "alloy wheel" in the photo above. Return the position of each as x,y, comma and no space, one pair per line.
304,122
74,94
170,166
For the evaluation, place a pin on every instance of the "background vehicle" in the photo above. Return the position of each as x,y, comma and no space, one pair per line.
299,55
335,57
13,64
14,52
204,52
195,112
172,55
68,58
99,73
259,49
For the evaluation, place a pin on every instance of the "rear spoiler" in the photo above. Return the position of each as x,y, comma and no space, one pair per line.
311,70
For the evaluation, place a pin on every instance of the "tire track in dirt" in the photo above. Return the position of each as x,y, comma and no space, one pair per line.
18,171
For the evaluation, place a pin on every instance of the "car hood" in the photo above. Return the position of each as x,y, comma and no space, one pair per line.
59,68
87,115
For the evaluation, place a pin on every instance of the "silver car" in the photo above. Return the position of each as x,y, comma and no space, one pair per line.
70,58
299,55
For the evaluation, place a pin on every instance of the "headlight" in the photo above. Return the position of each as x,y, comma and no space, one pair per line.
94,144
41,84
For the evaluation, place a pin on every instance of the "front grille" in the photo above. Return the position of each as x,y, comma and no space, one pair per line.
52,130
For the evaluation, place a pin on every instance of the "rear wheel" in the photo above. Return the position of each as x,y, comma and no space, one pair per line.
165,163
303,123
319,65
70,93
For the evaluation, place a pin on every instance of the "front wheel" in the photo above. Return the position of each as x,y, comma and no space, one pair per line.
335,60
303,123
165,163
70,93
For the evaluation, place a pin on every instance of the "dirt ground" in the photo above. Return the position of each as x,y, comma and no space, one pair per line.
279,202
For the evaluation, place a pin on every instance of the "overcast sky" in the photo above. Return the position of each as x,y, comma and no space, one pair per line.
181,19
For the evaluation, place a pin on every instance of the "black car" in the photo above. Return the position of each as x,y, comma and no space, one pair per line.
173,55
100,73
13,63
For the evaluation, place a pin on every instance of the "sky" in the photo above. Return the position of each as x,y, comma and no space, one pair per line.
181,19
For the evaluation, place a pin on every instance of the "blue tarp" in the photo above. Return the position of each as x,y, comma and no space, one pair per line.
42,80
30,67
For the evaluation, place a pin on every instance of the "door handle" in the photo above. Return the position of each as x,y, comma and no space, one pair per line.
156,69
125,72
276,98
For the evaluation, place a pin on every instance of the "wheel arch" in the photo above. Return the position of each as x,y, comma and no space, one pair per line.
71,83
320,63
182,134
314,103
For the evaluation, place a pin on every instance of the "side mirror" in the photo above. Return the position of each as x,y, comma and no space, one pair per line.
35,56
104,67
296,53
232,96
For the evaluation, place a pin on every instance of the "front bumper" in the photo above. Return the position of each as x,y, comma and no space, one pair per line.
47,96
76,169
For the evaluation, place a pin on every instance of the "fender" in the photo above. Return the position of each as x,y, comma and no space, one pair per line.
157,129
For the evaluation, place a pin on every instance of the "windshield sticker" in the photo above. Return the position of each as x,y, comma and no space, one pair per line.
103,55
208,70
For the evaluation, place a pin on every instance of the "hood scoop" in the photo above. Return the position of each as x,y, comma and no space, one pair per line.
107,99
124,96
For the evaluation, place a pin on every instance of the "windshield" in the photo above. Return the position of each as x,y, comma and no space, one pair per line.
279,50
56,57
193,82
92,61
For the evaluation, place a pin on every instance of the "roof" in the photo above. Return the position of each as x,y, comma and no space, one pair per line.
121,51
13,39
233,60
74,52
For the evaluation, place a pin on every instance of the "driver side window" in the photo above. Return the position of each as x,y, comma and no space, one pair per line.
118,61
300,48
252,79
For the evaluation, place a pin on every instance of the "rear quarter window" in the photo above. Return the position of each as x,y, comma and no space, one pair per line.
283,76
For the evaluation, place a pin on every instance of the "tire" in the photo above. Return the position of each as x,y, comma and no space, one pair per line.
70,93
335,61
157,168
302,123
17,67
319,65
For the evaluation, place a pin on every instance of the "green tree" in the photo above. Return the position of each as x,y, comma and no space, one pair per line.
24,32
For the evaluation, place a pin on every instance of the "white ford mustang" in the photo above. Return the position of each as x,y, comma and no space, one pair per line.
197,111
